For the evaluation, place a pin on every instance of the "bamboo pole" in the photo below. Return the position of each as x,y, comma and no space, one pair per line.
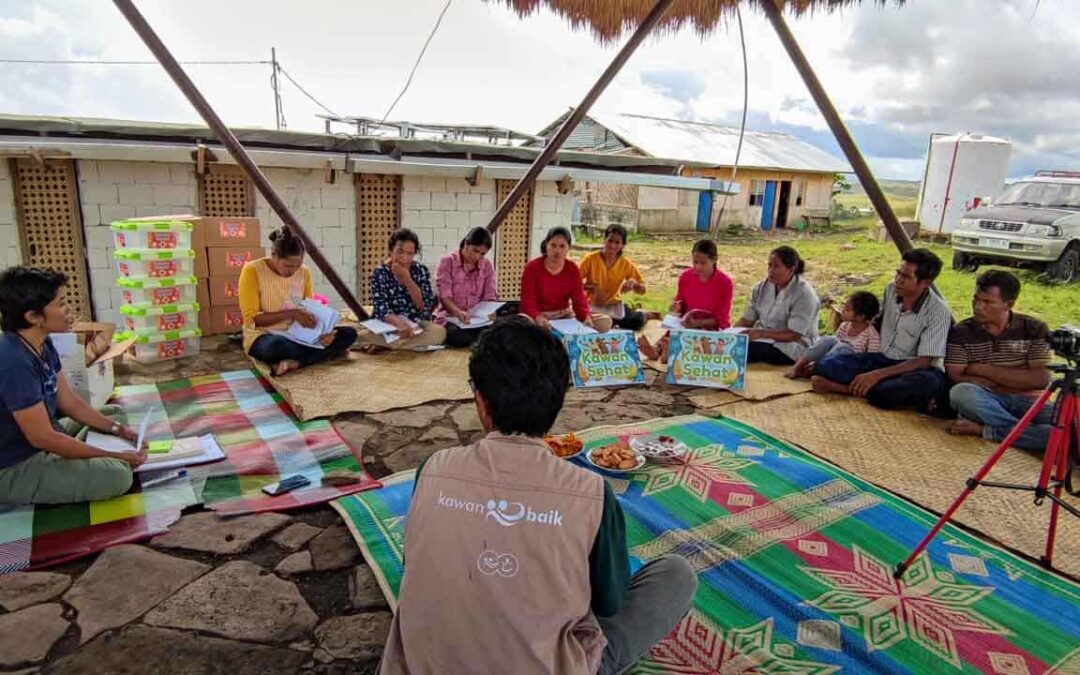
556,142
188,88
774,12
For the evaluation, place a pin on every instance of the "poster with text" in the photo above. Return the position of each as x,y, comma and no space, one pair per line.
701,358
604,359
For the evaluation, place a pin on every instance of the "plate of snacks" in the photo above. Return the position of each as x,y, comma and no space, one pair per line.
615,458
564,446
658,446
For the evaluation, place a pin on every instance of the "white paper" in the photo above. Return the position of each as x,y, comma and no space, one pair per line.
735,329
210,451
474,322
326,319
571,327
672,322
143,427
428,348
486,308
388,331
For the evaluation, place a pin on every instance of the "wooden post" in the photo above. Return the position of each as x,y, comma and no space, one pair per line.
578,113
774,12
165,58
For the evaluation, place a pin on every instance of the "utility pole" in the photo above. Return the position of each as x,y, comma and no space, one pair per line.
279,116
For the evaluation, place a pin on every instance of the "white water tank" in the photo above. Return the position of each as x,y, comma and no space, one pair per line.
960,170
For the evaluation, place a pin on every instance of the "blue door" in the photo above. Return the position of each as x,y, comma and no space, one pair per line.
769,205
704,210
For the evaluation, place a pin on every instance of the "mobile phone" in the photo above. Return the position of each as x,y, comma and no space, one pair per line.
286,485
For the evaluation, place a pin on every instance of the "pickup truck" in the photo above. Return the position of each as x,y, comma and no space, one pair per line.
1034,223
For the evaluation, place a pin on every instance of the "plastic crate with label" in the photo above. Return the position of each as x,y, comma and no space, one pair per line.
142,320
163,346
141,263
152,235
156,292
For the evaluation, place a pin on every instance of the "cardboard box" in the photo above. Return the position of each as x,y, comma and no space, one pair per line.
230,232
224,291
202,270
86,356
228,261
202,293
221,320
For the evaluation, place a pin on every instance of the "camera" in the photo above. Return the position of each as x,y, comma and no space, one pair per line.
1065,341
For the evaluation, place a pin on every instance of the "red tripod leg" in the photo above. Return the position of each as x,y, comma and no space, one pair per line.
1070,418
974,481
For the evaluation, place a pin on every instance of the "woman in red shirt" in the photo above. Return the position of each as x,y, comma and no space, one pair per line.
551,286
703,299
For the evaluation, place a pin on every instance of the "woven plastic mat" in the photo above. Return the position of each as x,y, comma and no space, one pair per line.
374,382
914,456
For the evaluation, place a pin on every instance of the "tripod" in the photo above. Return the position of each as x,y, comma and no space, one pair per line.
1064,436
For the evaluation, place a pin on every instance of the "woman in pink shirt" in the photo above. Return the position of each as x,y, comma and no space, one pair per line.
703,298
465,278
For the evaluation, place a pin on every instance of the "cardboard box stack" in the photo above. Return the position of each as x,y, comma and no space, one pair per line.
156,265
86,356
227,245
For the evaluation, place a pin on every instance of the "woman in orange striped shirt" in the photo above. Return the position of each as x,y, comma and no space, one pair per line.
271,290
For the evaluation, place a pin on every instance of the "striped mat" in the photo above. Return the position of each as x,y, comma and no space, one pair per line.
794,559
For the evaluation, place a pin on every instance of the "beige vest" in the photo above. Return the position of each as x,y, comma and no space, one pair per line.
497,547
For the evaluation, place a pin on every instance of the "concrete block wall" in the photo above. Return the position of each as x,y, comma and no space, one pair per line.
10,251
113,190
327,211
442,210
550,209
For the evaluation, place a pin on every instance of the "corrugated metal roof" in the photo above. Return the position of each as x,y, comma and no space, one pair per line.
714,144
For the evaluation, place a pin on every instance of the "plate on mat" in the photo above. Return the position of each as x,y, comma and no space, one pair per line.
658,447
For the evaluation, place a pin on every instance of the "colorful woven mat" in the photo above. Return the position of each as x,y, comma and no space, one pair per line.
794,560
261,439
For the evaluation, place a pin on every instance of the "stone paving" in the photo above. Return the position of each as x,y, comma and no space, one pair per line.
260,594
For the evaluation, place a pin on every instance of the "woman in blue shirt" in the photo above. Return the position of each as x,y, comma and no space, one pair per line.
402,294
39,463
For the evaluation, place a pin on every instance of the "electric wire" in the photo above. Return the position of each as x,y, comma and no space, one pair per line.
742,125
416,65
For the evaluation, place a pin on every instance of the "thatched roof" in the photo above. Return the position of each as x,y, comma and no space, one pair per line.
608,19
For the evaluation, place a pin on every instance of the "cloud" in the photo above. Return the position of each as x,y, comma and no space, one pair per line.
681,85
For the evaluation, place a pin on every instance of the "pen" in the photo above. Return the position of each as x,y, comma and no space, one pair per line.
164,479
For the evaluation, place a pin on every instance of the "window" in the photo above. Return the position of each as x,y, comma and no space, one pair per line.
757,192
800,192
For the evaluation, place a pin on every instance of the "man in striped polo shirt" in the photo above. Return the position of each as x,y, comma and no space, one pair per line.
998,362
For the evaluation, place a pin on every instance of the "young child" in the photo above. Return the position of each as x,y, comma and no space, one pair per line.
856,335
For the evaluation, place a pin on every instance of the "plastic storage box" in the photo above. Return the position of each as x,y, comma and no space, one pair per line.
142,320
156,292
163,346
141,263
153,235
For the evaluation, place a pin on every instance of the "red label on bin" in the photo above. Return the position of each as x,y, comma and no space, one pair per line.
121,239
162,268
161,240
171,349
233,259
172,321
231,230
128,297
234,318
129,323
165,296
232,289
125,270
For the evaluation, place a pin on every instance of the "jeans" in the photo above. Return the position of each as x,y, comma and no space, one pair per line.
766,352
271,349
920,389
826,345
659,596
999,413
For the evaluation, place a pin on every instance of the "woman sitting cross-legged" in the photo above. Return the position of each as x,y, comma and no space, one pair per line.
39,462
551,286
702,301
271,290
607,274
402,295
783,312
465,279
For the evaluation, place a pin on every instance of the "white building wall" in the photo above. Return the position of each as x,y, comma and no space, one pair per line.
10,252
113,190
327,212
442,210
550,209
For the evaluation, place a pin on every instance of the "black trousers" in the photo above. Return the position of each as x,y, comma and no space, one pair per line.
766,352
632,320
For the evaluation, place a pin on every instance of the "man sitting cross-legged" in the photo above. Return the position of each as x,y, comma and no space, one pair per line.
998,361
908,371
516,560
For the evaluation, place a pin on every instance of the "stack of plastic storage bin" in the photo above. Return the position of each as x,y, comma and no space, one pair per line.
156,266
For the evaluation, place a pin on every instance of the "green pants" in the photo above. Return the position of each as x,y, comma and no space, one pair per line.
45,478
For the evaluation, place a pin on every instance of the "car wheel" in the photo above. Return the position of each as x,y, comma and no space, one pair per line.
1067,267
962,262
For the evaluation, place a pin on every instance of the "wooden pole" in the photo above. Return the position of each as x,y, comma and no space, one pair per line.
165,58
774,12
578,113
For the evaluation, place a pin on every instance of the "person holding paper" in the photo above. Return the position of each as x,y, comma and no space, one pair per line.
702,300
402,294
551,286
465,279
39,462
271,292
607,274
782,316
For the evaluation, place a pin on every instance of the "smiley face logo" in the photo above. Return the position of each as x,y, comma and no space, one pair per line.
491,563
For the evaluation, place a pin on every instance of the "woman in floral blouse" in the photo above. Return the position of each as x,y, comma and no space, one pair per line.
403,297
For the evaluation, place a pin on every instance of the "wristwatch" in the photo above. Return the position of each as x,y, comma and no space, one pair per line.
115,429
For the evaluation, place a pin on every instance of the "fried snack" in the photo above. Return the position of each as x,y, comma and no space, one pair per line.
566,446
614,456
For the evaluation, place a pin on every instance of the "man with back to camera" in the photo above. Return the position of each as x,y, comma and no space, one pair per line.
515,559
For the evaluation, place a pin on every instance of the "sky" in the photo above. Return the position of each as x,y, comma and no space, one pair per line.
1007,68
